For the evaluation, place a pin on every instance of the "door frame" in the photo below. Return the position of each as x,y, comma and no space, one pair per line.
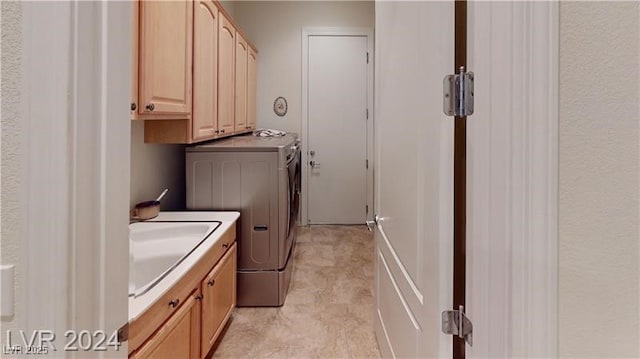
512,165
76,142
304,136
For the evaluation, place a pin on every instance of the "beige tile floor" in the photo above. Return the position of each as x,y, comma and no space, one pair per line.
329,310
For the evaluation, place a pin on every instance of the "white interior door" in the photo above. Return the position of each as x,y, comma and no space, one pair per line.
337,129
414,161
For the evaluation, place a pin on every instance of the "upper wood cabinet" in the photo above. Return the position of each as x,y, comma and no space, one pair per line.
193,72
252,73
205,70
242,53
226,75
165,50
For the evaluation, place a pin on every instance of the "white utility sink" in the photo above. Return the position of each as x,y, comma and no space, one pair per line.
156,248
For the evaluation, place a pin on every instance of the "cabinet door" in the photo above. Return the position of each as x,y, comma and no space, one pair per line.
241,83
166,34
226,75
205,70
178,337
219,298
252,73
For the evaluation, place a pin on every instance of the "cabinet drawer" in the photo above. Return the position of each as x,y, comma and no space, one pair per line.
219,249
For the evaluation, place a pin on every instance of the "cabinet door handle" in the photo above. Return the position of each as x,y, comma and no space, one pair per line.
211,282
199,297
133,106
150,107
222,131
174,303
225,245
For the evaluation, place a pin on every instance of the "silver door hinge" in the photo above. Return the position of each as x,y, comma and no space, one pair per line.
367,164
458,94
367,208
367,57
367,114
454,322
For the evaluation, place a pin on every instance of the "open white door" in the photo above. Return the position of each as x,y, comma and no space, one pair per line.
414,160
511,159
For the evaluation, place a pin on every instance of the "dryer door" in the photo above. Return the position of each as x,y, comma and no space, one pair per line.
293,202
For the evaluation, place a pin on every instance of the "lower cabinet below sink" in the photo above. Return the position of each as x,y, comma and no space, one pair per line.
178,337
218,300
194,312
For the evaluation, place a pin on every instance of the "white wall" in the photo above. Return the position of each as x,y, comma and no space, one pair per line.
598,188
229,6
11,153
154,168
275,28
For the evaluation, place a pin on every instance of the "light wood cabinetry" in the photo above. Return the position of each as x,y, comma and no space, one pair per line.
205,70
218,301
252,73
165,50
226,75
135,22
192,72
242,53
178,337
186,321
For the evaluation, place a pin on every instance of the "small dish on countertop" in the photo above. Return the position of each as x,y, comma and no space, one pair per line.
145,210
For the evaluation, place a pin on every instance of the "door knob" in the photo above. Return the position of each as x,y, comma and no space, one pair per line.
314,164
312,153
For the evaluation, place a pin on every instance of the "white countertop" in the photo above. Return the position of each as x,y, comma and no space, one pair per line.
139,305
